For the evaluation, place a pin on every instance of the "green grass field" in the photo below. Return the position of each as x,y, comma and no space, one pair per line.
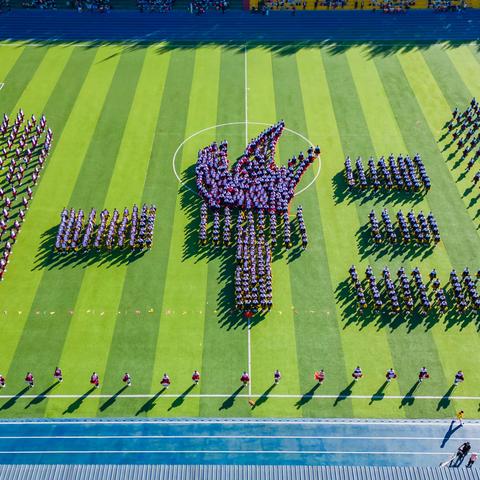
118,116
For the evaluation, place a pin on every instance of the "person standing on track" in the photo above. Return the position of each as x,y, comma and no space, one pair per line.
357,374
95,380
127,379
276,377
472,460
57,375
196,377
459,416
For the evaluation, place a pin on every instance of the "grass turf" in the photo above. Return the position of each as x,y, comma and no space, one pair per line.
118,115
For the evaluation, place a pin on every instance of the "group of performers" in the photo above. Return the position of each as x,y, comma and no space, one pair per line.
24,148
403,295
417,228
260,190
401,173
133,230
465,129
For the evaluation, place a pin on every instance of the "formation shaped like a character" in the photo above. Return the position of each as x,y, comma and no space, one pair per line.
258,189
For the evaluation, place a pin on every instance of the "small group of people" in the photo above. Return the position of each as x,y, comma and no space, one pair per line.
43,4
447,5
401,173
100,6
199,7
24,148
465,131
79,233
155,5
400,297
417,228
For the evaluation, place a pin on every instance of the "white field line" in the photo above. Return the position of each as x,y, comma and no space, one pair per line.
249,346
1,85
246,95
212,452
256,395
241,421
224,437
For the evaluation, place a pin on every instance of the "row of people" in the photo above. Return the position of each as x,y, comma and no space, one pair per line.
134,229
464,127
255,181
401,173
416,228
406,293
319,376
155,5
253,274
24,148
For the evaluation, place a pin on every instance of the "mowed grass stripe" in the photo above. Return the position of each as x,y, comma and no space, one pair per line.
273,338
9,57
19,305
182,316
145,282
19,76
355,140
92,290
332,239
415,129
224,338
312,299
72,149
387,137
128,345
43,82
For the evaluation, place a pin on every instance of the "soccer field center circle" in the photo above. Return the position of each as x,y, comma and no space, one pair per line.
193,135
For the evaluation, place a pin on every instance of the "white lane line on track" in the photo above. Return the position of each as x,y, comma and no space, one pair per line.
242,421
213,452
255,395
224,437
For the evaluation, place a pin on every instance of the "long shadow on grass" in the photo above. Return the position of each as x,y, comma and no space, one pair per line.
229,402
181,398
12,401
78,402
263,397
41,396
150,403
345,393
48,258
409,398
307,396
445,400
110,401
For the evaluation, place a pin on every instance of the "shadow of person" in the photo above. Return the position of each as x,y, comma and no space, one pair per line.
11,401
110,401
379,394
451,430
228,403
78,402
307,396
179,400
409,398
263,397
345,393
150,403
444,402
41,396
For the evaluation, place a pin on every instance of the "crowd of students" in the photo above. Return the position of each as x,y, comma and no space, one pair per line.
386,296
464,128
101,6
200,7
401,173
43,4
155,5
416,228
77,232
4,5
25,145
262,192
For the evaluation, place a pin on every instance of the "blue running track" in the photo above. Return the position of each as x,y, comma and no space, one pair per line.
233,442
